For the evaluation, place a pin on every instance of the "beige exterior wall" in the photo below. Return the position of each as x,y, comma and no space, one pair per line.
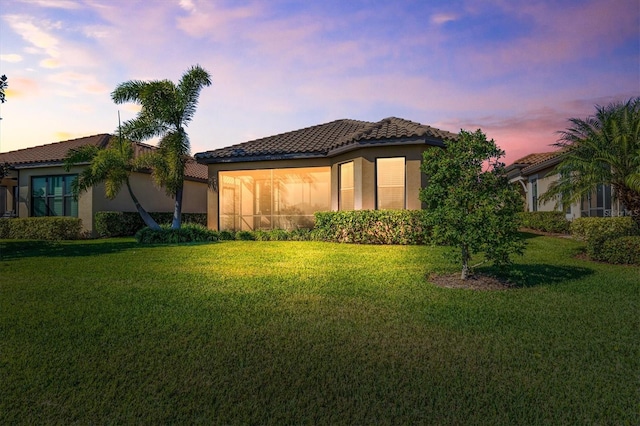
94,200
364,160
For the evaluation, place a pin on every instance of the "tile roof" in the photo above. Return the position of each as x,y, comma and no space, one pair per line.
322,139
536,158
54,153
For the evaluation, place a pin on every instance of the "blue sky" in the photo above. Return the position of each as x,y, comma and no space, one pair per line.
516,69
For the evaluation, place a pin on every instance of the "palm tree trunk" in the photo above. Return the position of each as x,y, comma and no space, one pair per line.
177,211
146,217
631,201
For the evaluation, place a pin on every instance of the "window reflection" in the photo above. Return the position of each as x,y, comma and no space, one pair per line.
274,198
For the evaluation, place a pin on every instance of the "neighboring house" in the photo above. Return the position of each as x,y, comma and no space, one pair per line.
38,185
281,181
535,172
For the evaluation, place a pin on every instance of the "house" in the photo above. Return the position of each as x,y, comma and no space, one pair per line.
38,185
281,181
534,174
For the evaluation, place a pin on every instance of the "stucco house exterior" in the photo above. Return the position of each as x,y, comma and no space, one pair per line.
535,172
38,185
280,181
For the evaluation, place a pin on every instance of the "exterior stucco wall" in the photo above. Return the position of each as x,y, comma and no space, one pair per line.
93,200
364,160
85,212
152,198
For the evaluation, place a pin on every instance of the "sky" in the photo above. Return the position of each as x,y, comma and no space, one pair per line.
516,69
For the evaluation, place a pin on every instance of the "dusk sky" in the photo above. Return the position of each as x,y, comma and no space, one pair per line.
516,69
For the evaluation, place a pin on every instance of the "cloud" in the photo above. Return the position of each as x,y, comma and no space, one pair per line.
86,83
11,57
443,18
187,5
57,4
20,88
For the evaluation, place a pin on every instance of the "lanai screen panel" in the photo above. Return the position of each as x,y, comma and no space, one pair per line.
273,198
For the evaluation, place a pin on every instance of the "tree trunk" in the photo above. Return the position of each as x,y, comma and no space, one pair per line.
631,201
465,263
146,217
177,211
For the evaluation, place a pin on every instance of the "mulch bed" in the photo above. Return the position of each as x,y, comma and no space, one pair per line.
474,282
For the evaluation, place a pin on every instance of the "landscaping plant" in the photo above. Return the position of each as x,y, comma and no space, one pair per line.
470,204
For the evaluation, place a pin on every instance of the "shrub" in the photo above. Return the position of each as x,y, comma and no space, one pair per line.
122,224
597,231
372,227
188,233
245,236
555,222
4,228
43,228
625,250
226,235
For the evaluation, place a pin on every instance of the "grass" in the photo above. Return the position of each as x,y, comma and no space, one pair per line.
310,333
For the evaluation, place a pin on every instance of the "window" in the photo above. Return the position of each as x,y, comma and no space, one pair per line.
52,196
273,198
390,183
598,202
346,195
534,194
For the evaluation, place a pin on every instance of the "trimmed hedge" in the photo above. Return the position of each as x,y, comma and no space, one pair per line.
624,250
124,224
188,233
372,227
555,222
51,228
600,231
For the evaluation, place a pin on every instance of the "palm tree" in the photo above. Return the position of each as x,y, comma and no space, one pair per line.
110,165
602,149
167,108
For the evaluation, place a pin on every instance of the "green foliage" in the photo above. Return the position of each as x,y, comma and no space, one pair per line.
555,222
601,149
4,228
166,109
623,250
470,203
245,236
121,224
51,228
112,166
188,233
372,227
226,235
598,231
590,228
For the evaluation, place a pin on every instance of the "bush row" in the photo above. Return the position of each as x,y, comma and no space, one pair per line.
124,224
555,222
611,239
190,232
373,227
41,228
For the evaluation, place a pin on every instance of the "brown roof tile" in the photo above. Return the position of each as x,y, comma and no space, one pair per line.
320,140
54,153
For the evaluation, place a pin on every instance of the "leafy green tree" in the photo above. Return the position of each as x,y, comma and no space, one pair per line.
470,203
601,149
112,166
167,108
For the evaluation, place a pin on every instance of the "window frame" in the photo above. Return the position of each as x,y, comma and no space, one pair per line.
67,180
340,188
404,182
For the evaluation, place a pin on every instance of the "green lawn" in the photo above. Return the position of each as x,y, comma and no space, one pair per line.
108,331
